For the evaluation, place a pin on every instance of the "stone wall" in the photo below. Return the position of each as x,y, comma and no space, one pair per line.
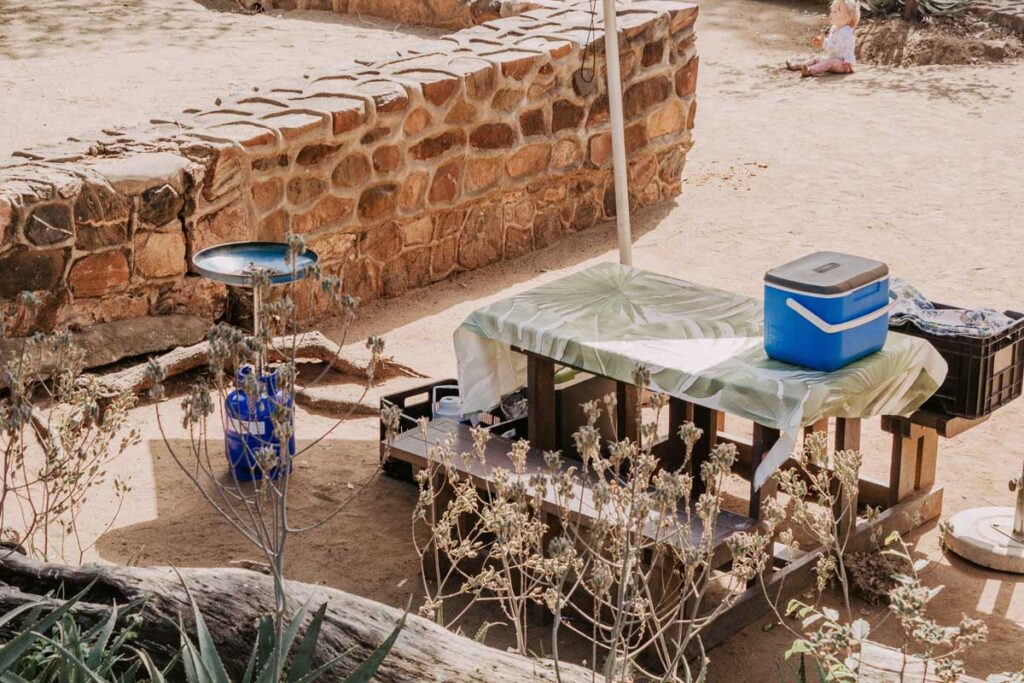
398,174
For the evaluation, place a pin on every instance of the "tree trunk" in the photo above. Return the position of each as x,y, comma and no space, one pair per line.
233,601
910,9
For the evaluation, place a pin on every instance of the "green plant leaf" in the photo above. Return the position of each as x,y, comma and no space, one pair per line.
208,655
303,661
365,671
12,651
798,647
860,629
77,665
100,646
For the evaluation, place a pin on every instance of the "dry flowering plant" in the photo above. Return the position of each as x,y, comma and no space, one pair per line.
58,437
253,498
822,488
614,548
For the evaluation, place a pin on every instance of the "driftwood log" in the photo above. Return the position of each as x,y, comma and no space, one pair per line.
233,601
311,345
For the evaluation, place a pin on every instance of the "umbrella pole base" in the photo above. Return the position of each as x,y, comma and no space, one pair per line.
985,536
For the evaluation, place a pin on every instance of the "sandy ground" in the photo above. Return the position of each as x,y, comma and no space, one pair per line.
921,168
73,67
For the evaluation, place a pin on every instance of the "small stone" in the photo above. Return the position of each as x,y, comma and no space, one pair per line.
137,173
382,243
413,191
653,52
692,115
304,190
99,274
518,241
565,114
267,194
410,270
442,258
361,278
160,205
641,96
332,246
507,99
566,153
530,159
273,227
388,96
352,171
416,122
314,154
31,270
586,216
374,135
547,228
49,224
445,186
271,163
636,137
532,122
296,125
432,147
686,77
419,231
448,223
159,254
515,64
378,201
329,212
387,158
228,174
482,174
194,295
668,120
493,136
481,240
98,203
461,114
600,148
233,223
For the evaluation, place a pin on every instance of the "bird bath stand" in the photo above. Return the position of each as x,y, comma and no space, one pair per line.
991,536
251,441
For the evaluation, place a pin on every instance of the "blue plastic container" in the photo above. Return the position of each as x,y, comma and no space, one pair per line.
249,428
826,310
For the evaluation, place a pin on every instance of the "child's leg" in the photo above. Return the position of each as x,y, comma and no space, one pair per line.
800,64
828,64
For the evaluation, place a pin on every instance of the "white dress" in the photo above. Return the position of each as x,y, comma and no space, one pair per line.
840,44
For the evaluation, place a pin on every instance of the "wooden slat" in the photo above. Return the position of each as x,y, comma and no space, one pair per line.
413,448
707,420
764,439
627,411
674,452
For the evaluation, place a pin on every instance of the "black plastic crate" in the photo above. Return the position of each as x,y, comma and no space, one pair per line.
984,373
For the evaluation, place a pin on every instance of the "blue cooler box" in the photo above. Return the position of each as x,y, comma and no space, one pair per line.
826,310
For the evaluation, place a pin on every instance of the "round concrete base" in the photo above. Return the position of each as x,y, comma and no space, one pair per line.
985,536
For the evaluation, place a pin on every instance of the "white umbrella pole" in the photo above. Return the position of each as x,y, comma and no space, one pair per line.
611,51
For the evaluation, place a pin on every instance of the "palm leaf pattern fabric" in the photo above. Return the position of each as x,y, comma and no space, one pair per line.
700,344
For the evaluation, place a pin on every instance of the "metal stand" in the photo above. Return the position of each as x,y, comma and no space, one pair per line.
992,536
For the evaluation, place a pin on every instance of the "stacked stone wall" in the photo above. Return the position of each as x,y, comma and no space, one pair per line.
397,174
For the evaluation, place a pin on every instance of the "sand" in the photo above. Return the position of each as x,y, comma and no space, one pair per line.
919,167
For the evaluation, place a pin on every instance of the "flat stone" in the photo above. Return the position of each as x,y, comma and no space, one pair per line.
641,96
388,96
303,190
381,244
332,246
437,145
461,113
412,194
530,159
137,173
274,226
507,99
160,205
668,120
378,133
416,121
329,212
267,194
6,221
532,122
346,112
481,76
227,174
387,158
420,231
437,87
482,174
566,153
600,148
32,270
49,224
445,186
98,203
311,155
99,274
352,171
160,254
233,223
654,52
410,270
481,241
493,136
443,257
194,295
515,64
378,201
296,125
565,114
686,77
248,135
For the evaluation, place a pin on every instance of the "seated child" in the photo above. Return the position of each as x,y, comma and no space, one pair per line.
839,43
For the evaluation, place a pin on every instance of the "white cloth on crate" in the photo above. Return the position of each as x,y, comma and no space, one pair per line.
841,43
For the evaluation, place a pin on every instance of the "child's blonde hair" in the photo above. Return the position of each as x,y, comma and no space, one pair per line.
852,9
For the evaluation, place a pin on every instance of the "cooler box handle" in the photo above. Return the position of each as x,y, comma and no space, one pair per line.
832,328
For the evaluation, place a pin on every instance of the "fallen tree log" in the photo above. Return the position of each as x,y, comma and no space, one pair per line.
233,601
311,345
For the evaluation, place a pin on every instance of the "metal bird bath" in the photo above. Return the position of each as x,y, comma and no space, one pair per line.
238,263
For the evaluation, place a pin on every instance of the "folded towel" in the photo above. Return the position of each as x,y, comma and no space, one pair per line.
912,307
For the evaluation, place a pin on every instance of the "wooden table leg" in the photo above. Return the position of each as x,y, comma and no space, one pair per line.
707,420
679,411
847,439
627,411
764,439
540,394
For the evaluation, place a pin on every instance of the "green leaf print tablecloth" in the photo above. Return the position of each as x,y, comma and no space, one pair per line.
701,344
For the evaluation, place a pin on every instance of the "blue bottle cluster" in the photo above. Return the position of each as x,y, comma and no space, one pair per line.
249,427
